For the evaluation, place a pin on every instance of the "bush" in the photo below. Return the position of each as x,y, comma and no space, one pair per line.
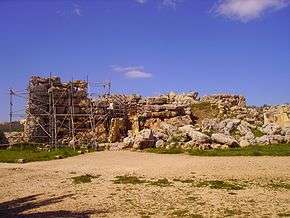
204,110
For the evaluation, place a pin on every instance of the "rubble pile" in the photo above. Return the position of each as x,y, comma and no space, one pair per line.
135,122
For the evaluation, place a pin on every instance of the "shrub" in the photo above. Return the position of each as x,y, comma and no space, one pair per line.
204,110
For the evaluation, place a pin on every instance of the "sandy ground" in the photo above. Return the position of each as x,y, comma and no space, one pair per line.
46,189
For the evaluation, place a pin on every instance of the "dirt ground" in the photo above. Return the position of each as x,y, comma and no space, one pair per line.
194,186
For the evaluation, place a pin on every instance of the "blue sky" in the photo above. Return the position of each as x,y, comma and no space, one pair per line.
150,46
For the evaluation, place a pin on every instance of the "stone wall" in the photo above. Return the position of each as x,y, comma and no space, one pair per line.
279,115
136,121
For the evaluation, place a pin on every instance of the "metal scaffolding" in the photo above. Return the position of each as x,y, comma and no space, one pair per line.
52,117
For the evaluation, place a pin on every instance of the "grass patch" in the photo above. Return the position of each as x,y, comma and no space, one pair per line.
180,213
134,180
257,150
186,181
218,184
161,183
165,151
83,179
204,110
257,133
30,153
231,212
287,214
128,180
280,185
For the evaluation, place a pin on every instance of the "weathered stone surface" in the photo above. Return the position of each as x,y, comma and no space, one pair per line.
160,143
116,116
271,129
168,128
179,137
224,139
270,139
145,139
244,143
118,130
219,146
159,134
196,137
160,100
101,133
179,121
153,123
11,138
279,115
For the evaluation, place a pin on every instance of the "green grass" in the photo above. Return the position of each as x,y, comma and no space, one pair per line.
287,214
128,180
263,150
280,185
218,184
165,151
257,133
29,153
257,150
161,183
204,110
84,179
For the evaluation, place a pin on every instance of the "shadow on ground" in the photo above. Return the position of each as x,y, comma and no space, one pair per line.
16,208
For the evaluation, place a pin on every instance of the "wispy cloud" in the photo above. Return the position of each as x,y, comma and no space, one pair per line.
77,10
141,1
69,9
170,3
134,72
163,3
247,10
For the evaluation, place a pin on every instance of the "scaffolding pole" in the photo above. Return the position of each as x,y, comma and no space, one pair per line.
43,111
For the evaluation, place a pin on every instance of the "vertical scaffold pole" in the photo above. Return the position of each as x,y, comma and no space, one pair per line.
11,108
72,113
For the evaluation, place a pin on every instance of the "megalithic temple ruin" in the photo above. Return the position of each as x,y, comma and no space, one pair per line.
69,114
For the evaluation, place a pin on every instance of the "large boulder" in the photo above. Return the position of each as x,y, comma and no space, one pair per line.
168,128
145,139
224,139
101,133
244,143
194,145
196,137
179,137
179,121
270,139
287,136
118,130
244,128
210,125
271,129
153,123
160,143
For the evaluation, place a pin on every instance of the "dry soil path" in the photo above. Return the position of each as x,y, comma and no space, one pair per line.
197,186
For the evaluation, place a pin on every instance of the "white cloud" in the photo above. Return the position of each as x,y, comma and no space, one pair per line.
170,3
133,72
69,9
246,10
141,1
164,3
